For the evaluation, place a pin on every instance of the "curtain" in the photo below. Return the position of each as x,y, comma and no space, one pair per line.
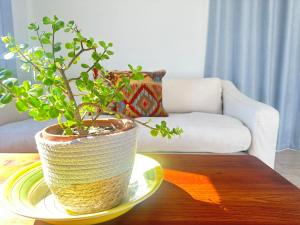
6,26
256,44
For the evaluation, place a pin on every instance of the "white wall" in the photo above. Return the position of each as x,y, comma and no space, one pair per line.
20,12
169,34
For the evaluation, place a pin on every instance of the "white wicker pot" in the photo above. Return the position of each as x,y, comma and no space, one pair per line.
89,174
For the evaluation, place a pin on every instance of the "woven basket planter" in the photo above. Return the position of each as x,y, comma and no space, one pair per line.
88,174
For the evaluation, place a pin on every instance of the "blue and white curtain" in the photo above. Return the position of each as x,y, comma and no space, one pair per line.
256,44
6,26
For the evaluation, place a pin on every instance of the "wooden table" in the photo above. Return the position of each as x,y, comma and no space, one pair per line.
200,189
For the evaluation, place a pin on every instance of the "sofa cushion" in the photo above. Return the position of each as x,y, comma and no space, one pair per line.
203,132
145,97
192,95
9,114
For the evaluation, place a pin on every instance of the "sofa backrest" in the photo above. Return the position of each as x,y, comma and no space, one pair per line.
9,114
192,95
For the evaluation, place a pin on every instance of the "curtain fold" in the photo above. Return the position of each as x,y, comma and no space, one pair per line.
6,27
256,44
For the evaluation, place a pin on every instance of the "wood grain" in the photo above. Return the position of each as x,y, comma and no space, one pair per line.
214,189
204,190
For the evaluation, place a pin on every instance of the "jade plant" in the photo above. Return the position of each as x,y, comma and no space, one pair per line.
49,94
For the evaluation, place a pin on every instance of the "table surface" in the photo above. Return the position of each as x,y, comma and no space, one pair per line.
198,189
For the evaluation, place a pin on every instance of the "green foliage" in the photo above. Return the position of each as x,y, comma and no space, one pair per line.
50,95
163,130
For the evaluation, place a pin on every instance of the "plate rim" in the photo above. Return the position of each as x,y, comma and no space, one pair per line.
12,178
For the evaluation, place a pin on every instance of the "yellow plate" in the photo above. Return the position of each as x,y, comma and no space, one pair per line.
26,194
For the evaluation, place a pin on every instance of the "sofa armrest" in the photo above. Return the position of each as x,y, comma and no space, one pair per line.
9,114
261,119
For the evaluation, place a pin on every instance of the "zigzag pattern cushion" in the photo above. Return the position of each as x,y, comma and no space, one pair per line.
145,97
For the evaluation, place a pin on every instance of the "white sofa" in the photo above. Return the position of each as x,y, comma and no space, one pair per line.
215,116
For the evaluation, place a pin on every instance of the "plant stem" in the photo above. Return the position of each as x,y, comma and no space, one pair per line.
144,124
29,61
78,54
98,108
96,61
39,38
70,94
6,88
132,119
69,90
53,52
89,104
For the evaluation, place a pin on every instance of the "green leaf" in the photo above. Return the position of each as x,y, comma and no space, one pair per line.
90,85
69,115
34,102
71,54
47,35
33,26
137,76
58,25
6,98
36,90
68,131
102,44
110,53
131,67
95,56
154,132
17,91
105,57
48,81
26,85
69,45
45,40
80,85
49,55
83,65
4,74
85,76
53,113
86,98
57,47
46,20
39,54
98,66
21,105
6,39
33,38
57,91
89,43
10,82
70,23
26,67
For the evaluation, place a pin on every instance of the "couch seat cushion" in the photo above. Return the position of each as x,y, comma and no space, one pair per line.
203,132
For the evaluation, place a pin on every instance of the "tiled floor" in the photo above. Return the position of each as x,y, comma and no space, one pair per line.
288,165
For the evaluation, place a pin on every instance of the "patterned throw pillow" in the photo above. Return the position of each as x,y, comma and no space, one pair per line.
145,98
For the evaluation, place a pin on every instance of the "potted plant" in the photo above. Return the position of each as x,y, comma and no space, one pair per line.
86,160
